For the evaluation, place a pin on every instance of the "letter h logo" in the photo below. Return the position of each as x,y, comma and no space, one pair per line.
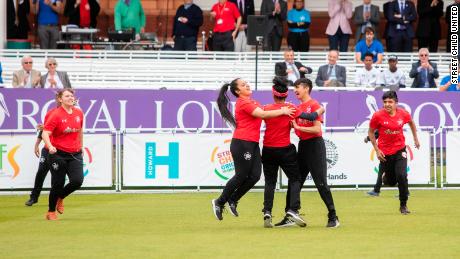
152,160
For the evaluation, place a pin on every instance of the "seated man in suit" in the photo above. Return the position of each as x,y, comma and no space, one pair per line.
54,79
331,74
424,71
291,69
26,77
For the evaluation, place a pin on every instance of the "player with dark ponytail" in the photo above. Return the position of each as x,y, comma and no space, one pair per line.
245,142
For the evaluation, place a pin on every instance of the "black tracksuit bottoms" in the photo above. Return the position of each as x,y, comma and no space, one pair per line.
248,168
311,157
43,168
62,164
272,159
395,168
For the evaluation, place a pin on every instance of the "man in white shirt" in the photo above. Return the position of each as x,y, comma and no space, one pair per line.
290,68
26,77
392,78
368,75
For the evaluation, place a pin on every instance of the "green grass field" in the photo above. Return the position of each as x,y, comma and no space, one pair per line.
182,225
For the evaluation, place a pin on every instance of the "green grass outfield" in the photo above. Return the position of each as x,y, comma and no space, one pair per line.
181,225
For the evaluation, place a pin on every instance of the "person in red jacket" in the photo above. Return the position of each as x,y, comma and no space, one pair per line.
65,127
244,146
43,166
391,147
311,149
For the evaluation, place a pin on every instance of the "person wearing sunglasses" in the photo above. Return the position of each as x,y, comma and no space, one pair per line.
26,77
424,71
54,78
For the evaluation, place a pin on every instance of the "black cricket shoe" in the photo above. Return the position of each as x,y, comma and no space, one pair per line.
404,210
285,222
295,217
333,222
268,219
31,202
217,209
232,205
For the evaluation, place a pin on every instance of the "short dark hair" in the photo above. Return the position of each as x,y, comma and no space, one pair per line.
368,54
305,82
390,95
369,29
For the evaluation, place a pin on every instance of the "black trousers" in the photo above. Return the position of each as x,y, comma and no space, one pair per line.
223,41
395,168
43,168
273,41
312,159
339,41
299,41
378,184
286,158
62,164
401,43
430,43
248,168
185,43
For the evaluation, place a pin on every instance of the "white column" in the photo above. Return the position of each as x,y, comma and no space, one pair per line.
2,24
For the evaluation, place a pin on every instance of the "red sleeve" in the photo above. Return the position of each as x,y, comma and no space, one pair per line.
236,12
407,116
51,123
249,106
374,123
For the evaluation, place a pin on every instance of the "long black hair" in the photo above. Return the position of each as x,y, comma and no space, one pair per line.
223,102
280,85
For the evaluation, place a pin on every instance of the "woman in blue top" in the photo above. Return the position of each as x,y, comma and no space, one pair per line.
298,20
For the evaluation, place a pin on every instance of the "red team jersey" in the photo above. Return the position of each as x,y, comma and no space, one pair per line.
247,126
278,129
309,106
391,138
65,129
226,16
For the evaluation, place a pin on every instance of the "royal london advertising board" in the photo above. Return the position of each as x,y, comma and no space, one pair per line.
18,163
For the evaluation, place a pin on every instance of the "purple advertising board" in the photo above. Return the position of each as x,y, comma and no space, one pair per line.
186,109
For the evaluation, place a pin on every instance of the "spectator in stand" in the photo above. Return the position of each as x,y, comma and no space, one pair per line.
386,11
82,13
129,14
298,20
392,78
48,19
366,15
424,71
225,14
187,22
429,26
26,77
449,21
17,25
245,7
54,79
338,30
369,45
446,84
276,11
331,74
291,69
1,80
368,75
401,15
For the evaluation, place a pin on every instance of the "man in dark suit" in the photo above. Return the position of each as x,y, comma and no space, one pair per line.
424,71
448,21
429,26
386,10
246,7
291,69
366,15
17,23
401,15
331,74
276,11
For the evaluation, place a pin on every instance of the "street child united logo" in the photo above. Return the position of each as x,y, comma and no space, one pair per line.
332,155
222,159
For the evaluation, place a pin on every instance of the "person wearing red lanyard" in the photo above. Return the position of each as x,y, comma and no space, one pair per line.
244,146
311,149
43,166
225,13
279,152
391,147
65,127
